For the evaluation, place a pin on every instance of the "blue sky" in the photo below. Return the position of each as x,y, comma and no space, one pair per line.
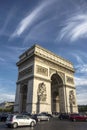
58,25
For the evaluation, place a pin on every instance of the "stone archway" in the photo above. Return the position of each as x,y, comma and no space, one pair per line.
37,67
56,83
23,91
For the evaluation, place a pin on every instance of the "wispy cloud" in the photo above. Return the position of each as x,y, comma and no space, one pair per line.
7,90
10,15
16,49
81,89
78,55
74,28
10,56
41,28
7,97
81,69
81,81
82,98
80,63
31,18
78,58
28,20
5,84
6,93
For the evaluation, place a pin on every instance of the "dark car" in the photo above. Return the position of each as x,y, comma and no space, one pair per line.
34,116
55,114
63,116
3,116
78,117
26,113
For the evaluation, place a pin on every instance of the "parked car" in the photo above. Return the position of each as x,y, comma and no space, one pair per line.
26,113
55,114
63,116
19,120
3,116
47,114
42,117
34,116
78,117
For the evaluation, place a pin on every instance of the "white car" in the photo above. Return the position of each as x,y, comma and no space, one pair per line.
19,120
42,117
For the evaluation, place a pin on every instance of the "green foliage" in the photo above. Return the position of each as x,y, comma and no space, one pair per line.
1,109
6,109
82,108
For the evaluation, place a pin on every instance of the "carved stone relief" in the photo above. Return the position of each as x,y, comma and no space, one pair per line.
41,92
54,65
42,70
69,80
71,97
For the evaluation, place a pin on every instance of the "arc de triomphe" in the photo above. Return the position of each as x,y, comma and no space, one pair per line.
45,83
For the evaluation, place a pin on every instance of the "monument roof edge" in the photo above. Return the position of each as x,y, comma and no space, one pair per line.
34,46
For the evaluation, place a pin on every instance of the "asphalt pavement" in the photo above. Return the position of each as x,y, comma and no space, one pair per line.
53,124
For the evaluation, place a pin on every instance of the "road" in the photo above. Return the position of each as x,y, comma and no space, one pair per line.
53,124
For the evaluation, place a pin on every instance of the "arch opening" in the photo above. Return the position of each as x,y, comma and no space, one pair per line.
56,83
23,98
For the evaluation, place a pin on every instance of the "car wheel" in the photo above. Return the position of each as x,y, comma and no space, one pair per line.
48,119
60,118
38,119
32,124
74,119
85,119
9,126
15,125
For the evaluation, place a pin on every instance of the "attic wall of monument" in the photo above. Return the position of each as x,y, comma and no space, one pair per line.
26,68
43,68
26,63
54,66
25,72
51,56
46,68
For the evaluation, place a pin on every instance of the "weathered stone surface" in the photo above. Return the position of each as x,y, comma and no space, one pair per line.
45,82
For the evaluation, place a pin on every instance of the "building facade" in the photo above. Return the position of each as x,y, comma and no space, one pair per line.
5,105
45,83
